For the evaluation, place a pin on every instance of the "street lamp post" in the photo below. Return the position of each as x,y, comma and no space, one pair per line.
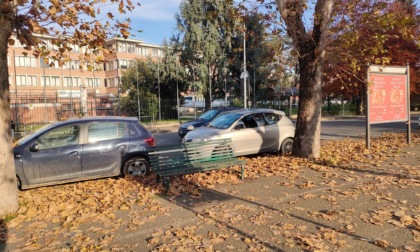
253,91
210,87
193,82
138,91
158,79
177,89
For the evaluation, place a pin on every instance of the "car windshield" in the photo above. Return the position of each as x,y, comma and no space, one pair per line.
224,121
208,115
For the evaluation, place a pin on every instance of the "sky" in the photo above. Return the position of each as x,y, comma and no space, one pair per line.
156,19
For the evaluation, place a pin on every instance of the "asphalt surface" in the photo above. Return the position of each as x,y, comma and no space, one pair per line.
332,128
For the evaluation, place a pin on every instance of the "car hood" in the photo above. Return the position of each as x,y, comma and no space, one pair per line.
195,123
204,132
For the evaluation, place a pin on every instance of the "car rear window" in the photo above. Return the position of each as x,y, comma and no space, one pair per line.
271,118
103,131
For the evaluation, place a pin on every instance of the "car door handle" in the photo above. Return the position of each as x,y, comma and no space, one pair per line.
121,147
73,153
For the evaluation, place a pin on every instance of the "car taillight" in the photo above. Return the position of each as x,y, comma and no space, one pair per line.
150,141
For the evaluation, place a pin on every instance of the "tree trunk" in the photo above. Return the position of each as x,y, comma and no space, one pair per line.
311,52
8,185
307,141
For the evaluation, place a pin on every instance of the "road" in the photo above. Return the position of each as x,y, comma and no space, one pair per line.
330,129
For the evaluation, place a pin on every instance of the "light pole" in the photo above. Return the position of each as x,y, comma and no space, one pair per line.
16,94
193,82
158,79
138,91
253,91
210,87
245,75
177,89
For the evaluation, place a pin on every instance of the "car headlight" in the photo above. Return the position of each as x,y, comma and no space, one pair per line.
191,127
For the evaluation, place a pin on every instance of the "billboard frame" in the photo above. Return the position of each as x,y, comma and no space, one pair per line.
390,72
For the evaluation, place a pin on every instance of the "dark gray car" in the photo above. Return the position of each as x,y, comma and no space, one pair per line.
81,149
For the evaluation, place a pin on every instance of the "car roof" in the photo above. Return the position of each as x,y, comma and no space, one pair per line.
245,111
101,118
223,108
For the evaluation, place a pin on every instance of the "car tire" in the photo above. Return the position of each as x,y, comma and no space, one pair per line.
287,146
136,167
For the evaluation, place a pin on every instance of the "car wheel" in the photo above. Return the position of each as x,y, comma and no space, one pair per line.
136,167
287,146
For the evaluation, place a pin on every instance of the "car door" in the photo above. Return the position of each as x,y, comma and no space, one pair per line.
272,132
107,143
54,156
248,140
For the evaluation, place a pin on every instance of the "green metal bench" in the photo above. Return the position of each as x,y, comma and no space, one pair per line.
188,158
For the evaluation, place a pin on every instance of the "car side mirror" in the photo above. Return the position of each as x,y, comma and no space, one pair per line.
34,147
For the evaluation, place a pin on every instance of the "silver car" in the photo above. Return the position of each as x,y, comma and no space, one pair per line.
83,148
251,130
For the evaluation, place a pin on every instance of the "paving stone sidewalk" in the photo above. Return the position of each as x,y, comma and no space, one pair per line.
340,209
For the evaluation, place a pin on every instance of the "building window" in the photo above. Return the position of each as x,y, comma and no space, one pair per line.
123,64
10,80
92,82
131,48
72,81
122,47
77,81
31,80
43,64
23,80
97,82
154,52
51,63
50,81
111,82
55,81
75,48
74,64
45,81
111,65
145,51
22,61
89,82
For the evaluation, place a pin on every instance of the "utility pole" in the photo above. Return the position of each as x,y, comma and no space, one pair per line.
160,112
138,91
245,83
177,89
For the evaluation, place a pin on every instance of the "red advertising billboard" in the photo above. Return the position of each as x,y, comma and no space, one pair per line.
387,96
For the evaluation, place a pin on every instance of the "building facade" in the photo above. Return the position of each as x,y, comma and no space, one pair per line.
33,77
39,83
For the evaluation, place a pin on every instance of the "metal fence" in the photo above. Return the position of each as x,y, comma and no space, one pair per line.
29,112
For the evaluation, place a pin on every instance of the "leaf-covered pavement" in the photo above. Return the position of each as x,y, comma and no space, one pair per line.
350,199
